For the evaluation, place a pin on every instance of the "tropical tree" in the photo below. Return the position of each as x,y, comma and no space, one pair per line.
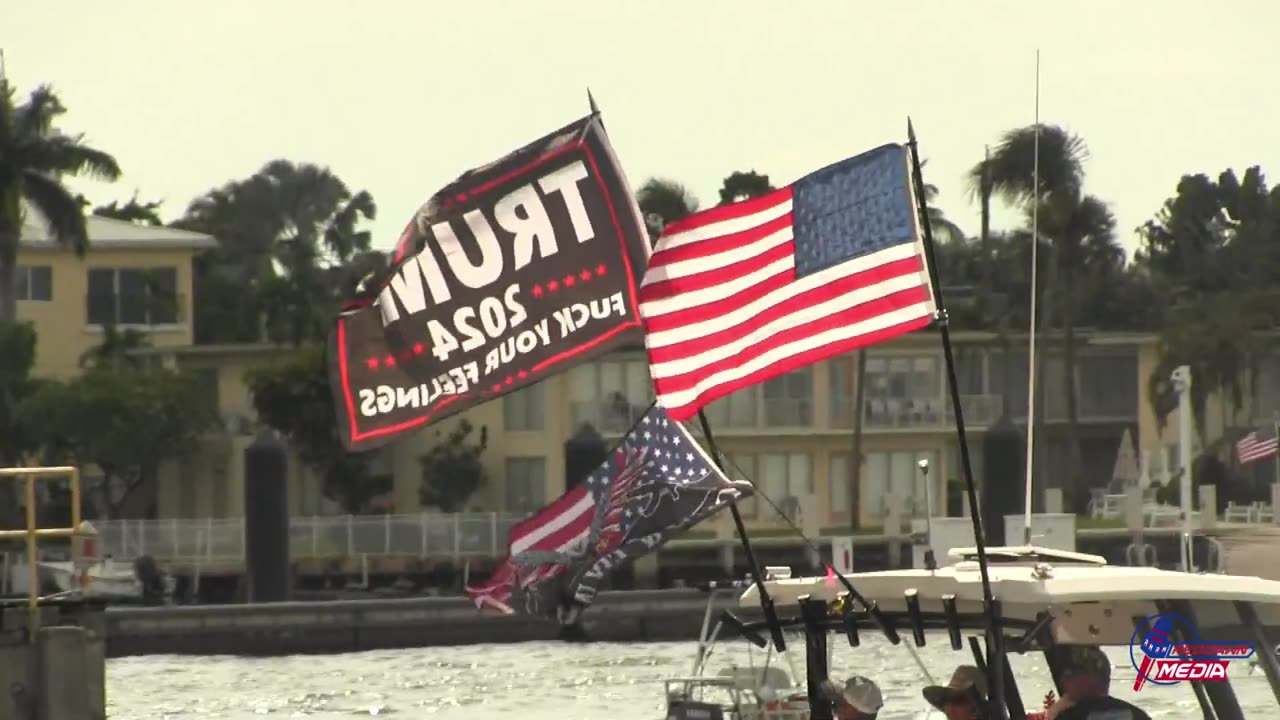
294,398
663,202
125,424
147,213
944,230
280,231
452,470
114,352
35,157
1080,231
1213,250
740,186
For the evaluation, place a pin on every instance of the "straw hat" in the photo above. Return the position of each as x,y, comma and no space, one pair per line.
858,692
964,678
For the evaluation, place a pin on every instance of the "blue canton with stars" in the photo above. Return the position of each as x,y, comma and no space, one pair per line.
852,208
656,482
652,464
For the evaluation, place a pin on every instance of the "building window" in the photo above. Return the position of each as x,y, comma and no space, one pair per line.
788,400
839,479
1108,385
735,410
903,391
524,410
610,395
133,296
35,283
526,484
843,386
784,479
897,473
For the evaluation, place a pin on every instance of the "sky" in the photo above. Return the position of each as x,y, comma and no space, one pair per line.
398,97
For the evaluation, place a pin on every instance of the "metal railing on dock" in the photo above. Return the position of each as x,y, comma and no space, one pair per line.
33,532
456,536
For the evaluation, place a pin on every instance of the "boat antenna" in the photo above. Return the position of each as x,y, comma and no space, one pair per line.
930,562
1031,353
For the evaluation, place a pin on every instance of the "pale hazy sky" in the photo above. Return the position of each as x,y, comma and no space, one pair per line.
398,97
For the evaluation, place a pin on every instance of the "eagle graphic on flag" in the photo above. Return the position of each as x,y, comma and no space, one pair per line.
656,482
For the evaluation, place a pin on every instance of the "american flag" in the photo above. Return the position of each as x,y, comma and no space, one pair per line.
742,293
1257,446
654,483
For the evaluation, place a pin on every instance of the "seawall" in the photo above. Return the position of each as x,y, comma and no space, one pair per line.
352,626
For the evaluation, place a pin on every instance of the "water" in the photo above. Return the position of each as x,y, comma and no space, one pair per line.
551,681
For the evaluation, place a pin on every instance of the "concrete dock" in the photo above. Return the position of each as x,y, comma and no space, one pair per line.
351,626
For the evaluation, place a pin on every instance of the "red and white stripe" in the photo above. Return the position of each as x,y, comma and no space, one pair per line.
559,527
723,309
1250,448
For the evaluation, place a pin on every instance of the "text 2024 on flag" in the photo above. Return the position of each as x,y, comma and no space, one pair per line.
656,482
518,270
742,293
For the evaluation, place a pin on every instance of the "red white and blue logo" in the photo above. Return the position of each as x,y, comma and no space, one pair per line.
1167,649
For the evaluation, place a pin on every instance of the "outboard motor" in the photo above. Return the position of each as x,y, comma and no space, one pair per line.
151,578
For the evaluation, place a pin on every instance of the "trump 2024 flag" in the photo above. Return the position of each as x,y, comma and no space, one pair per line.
742,293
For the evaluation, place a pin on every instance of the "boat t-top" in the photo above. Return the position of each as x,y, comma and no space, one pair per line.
1177,626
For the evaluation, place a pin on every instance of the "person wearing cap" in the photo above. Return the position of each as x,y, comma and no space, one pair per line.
960,698
1084,674
858,699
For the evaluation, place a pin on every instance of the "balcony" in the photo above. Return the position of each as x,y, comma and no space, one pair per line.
788,413
916,413
133,309
607,417
979,410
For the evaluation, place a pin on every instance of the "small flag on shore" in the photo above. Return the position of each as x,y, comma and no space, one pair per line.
1257,445
742,293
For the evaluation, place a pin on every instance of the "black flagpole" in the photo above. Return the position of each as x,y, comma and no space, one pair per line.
766,602
995,640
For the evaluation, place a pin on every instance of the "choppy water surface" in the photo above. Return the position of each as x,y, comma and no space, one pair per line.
548,681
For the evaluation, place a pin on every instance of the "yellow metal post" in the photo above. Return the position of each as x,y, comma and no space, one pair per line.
29,476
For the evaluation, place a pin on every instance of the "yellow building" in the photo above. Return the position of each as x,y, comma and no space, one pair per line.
132,276
793,435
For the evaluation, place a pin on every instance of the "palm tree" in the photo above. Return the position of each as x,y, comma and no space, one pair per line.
943,229
663,202
1071,223
279,231
34,158
133,211
739,186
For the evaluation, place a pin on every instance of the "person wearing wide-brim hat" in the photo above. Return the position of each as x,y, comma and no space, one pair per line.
857,699
956,699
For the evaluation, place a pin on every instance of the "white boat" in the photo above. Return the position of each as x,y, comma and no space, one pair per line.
766,692
107,580
1046,598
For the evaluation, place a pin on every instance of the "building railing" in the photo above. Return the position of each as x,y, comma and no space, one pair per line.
916,413
607,417
210,541
788,413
